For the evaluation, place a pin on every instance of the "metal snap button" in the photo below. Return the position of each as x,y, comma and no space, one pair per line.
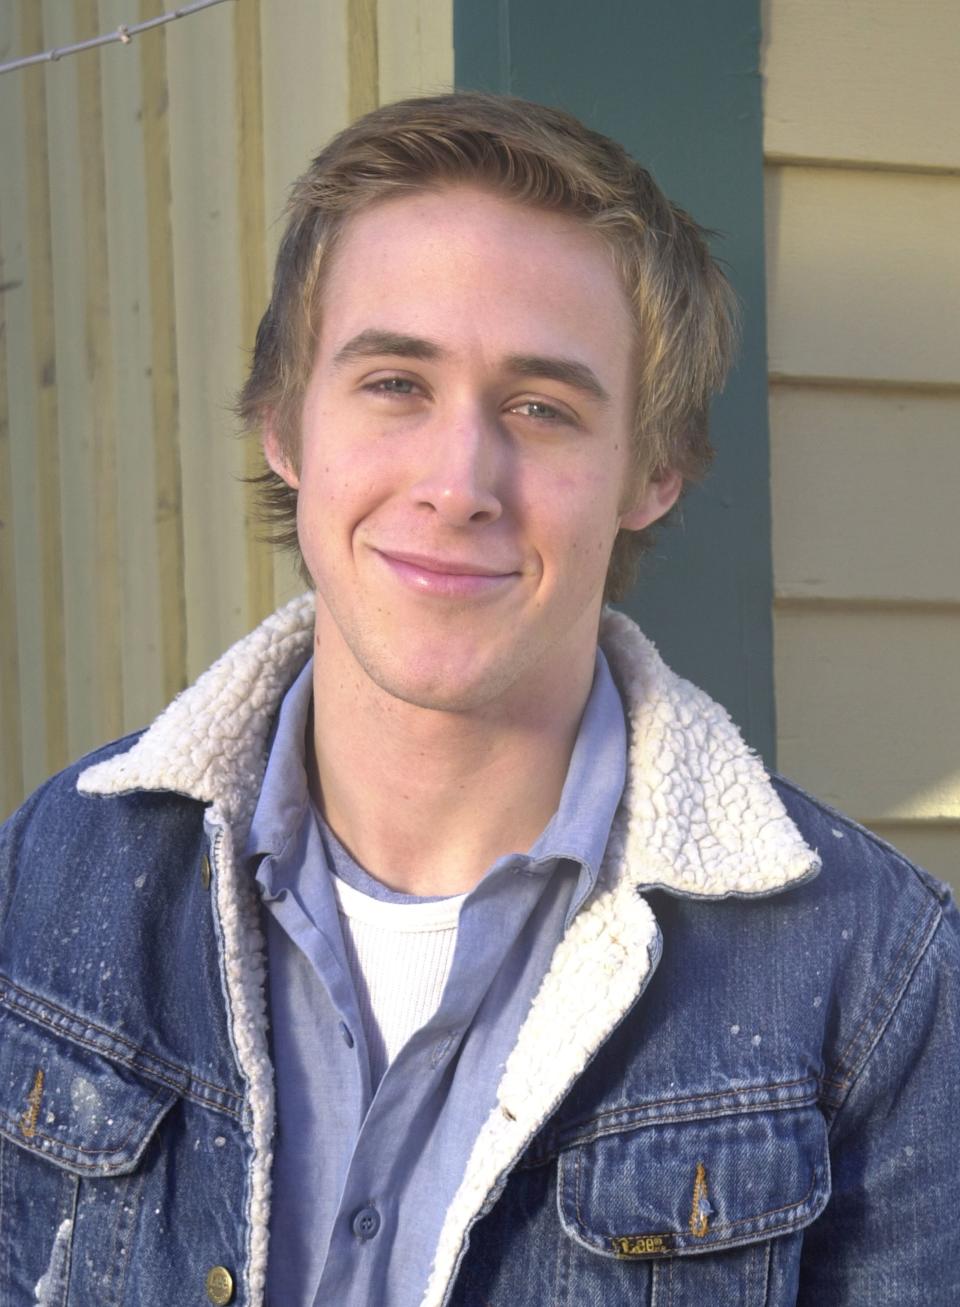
205,871
366,1223
219,1285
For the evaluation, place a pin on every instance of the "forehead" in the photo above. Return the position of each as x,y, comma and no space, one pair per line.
484,270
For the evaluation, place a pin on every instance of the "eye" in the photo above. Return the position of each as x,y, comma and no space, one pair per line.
401,386
540,411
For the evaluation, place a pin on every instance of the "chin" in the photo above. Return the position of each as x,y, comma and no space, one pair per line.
443,691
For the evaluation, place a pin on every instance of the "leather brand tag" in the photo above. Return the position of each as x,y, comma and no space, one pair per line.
643,1245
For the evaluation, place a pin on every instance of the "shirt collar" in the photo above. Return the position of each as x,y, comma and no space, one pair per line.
284,796
578,831
580,828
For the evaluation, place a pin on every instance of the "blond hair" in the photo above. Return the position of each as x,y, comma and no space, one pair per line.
683,307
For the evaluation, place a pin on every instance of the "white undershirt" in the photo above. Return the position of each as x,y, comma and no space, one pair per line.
400,955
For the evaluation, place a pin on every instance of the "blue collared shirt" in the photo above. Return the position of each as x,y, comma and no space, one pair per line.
363,1174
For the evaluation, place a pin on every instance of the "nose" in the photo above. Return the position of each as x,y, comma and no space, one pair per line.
461,470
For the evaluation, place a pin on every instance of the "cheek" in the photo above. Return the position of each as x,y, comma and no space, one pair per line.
341,493
578,532
337,481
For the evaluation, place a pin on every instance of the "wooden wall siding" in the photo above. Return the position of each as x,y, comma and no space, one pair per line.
11,721
868,82
141,194
862,142
880,523
867,702
863,269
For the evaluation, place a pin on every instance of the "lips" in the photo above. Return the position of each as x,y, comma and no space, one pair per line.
446,566
452,577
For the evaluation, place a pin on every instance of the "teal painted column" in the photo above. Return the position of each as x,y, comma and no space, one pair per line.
679,84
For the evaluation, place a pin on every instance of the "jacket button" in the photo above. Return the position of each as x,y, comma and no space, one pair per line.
219,1285
366,1223
205,881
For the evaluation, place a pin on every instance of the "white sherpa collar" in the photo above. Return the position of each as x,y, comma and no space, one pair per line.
701,816
210,742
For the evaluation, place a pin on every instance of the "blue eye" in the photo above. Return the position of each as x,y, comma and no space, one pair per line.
535,408
392,386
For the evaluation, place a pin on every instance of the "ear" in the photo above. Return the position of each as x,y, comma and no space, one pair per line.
655,499
277,457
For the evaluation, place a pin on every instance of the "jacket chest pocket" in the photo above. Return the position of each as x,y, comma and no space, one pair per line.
702,1202
67,1115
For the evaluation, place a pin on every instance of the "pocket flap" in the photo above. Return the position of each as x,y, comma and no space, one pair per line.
691,1186
72,1106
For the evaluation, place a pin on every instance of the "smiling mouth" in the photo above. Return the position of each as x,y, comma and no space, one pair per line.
455,578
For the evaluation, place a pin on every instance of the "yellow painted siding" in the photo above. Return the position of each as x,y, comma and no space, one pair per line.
868,715
140,206
414,50
865,494
862,138
871,82
863,270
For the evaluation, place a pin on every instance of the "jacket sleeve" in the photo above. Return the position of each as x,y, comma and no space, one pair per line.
47,816
890,1236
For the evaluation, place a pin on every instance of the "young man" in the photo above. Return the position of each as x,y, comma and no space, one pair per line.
425,951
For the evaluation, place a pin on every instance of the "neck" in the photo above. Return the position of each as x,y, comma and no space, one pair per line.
427,799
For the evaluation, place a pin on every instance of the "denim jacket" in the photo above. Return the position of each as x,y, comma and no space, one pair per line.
738,1085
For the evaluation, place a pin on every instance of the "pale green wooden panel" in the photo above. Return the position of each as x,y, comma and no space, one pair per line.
305,90
415,48
304,93
22,635
75,385
104,603
25,224
130,339
210,347
11,756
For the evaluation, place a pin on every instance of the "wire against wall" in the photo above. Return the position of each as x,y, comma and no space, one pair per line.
124,33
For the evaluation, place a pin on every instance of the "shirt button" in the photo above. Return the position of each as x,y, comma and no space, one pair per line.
219,1285
366,1223
345,1032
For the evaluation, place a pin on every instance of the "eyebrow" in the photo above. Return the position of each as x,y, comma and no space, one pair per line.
373,342
567,371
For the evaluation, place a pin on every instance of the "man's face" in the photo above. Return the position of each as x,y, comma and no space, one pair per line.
465,449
